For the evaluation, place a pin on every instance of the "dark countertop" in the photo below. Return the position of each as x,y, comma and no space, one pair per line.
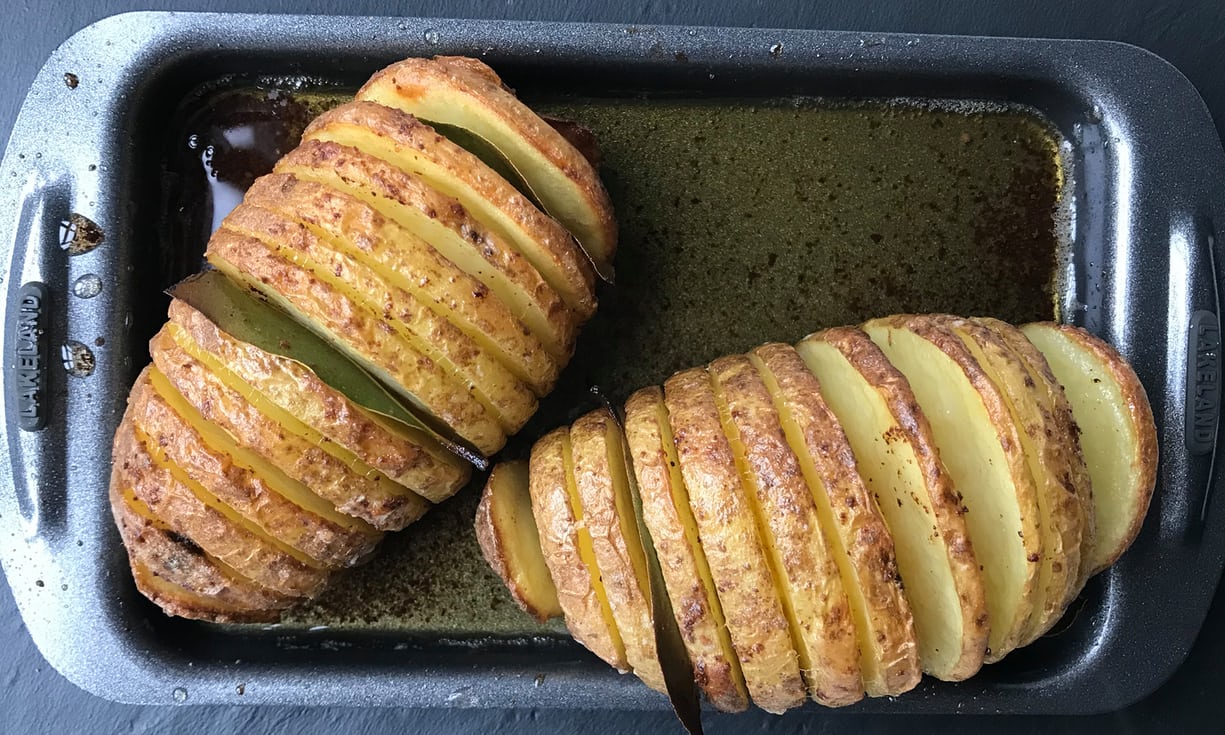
1191,34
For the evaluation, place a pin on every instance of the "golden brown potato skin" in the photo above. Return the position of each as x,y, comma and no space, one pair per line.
562,533
245,491
803,565
178,561
733,546
888,628
329,477
452,77
414,264
245,550
541,238
433,474
682,561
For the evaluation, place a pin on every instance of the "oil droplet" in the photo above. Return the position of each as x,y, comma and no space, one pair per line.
241,689
193,141
78,359
179,694
87,286
431,36
776,50
71,80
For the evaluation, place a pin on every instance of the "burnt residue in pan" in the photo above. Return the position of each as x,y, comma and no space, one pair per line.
740,224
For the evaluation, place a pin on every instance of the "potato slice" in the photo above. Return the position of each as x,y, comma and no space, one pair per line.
568,553
177,600
796,543
979,443
897,458
444,223
405,142
192,512
608,514
860,543
330,471
498,391
510,542
413,265
682,560
468,94
246,482
1045,443
1117,433
407,456
728,534
1057,399
360,333
179,562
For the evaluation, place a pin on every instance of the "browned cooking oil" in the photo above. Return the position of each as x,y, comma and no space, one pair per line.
741,223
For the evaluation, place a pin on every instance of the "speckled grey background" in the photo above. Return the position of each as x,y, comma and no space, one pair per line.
34,699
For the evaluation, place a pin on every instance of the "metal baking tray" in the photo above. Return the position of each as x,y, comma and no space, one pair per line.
1142,169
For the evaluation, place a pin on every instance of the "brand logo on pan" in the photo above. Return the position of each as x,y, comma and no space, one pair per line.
27,365
1203,382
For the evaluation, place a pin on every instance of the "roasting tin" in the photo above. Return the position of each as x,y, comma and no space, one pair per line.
1144,171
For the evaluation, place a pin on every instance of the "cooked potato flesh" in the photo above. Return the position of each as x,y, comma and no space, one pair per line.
511,532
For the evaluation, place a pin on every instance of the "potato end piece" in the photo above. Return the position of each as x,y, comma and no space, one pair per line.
506,532
1117,431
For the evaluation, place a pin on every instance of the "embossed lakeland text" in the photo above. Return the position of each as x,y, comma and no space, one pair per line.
28,363
1203,382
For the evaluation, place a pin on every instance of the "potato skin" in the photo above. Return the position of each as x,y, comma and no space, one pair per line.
1110,544
587,614
727,531
353,494
945,501
1054,459
628,601
178,561
864,537
435,475
415,264
541,238
183,513
715,666
362,171
365,333
473,82
805,572
1008,628
245,491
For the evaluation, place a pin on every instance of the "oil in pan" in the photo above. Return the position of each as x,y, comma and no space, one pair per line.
741,222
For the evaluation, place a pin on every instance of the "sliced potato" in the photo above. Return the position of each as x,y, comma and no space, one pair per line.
860,543
404,141
682,560
174,599
608,514
413,265
247,482
409,457
360,333
195,514
1078,477
796,543
897,458
510,542
468,94
728,534
1117,433
330,471
979,443
1061,516
455,354
444,223
567,547
179,562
